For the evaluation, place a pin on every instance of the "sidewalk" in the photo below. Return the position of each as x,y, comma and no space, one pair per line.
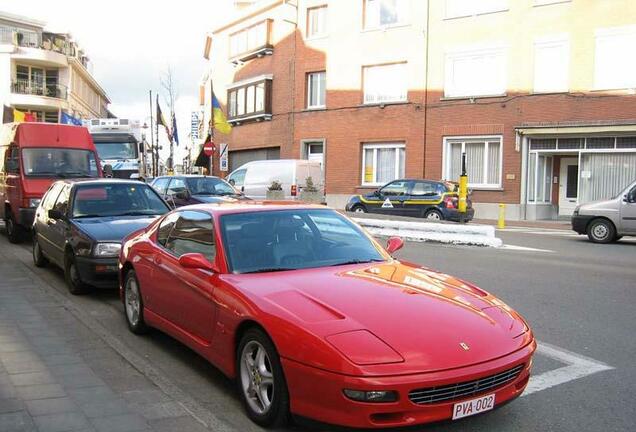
57,375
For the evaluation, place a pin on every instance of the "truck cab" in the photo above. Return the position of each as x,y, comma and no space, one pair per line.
119,146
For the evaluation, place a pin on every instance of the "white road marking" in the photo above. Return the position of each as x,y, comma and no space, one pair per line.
523,248
578,366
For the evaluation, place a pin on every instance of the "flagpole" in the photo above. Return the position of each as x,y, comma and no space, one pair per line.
212,128
156,150
152,137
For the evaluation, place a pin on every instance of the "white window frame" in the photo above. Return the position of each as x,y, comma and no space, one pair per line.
402,21
451,56
375,147
323,12
562,41
367,100
486,139
310,75
473,9
603,35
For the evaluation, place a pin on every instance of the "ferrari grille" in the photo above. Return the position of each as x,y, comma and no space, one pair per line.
469,388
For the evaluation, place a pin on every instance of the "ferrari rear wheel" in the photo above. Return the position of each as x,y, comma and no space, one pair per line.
133,304
261,380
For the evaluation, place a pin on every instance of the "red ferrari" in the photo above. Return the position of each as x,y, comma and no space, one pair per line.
313,317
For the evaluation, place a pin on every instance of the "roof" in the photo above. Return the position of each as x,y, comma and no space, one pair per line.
253,206
21,19
51,135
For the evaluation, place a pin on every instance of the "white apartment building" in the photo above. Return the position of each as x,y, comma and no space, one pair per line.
46,73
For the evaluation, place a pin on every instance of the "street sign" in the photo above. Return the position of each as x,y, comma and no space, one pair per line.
223,159
208,148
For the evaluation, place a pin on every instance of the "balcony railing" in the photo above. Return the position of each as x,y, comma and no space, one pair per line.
57,91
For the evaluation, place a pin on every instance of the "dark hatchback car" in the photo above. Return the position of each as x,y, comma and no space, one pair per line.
80,224
184,190
435,200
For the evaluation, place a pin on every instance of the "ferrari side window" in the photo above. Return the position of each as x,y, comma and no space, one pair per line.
166,227
193,233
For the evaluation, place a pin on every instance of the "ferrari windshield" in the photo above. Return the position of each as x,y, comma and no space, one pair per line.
280,240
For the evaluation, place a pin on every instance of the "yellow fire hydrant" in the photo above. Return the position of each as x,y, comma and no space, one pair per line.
501,223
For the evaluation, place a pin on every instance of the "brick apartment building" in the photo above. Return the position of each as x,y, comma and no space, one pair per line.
539,94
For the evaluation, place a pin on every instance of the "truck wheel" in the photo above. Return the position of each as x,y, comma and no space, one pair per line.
14,231
601,231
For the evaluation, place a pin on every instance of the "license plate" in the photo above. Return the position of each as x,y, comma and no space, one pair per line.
473,406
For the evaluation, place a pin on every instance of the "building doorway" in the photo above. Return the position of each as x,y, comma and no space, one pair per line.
568,185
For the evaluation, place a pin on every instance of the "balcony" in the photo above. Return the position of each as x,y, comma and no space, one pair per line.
52,90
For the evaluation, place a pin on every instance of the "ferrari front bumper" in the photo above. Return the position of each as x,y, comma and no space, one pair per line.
318,394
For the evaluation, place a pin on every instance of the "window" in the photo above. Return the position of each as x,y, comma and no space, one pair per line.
37,81
13,160
317,21
61,204
193,232
161,185
314,151
250,41
551,65
166,227
483,160
396,188
464,8
58,162
614,62
51,195
176,185
426,189
386,83
237,178
117,199
475,73
250,100
382,163
316,89
380,13
540,178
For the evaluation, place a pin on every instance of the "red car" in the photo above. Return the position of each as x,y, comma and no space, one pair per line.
313,317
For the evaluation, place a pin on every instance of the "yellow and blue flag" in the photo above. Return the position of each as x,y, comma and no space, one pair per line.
219,121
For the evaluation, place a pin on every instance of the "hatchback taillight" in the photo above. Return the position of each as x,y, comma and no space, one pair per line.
450,202
294,190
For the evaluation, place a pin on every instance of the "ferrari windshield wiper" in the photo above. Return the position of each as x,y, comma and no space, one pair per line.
357,261
270,269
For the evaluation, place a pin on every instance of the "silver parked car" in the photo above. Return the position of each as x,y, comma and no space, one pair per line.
609,220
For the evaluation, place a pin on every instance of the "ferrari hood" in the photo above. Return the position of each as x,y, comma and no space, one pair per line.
432,320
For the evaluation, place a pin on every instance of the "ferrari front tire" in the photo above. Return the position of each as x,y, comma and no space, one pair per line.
260,380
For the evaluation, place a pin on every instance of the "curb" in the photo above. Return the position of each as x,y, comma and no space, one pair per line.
474,235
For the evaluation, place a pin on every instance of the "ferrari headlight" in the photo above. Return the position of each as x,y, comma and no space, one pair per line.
107,249
34,202
371,396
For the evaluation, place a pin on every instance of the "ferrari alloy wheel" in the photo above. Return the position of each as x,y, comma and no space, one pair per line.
133,304
601,231
261,381
433,215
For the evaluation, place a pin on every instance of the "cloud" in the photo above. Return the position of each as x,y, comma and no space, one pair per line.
132,43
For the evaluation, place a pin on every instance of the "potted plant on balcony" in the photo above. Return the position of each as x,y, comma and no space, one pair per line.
310,192
275,191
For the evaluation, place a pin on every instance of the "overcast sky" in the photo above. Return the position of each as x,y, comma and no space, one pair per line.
131,43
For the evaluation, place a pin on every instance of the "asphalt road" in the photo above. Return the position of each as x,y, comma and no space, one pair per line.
576,295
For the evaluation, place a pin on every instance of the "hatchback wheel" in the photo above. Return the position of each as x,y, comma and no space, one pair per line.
433,215
601,231
134,304
38,257
261,381
358,209
73,279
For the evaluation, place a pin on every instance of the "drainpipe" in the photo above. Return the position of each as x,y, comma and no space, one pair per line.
524,174
427,36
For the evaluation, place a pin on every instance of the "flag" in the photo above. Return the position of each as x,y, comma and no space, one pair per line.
69,119
175,135
160,119
219,121
18,116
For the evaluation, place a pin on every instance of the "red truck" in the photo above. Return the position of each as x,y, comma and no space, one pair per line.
32,157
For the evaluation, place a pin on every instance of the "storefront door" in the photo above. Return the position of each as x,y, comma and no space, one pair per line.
568,185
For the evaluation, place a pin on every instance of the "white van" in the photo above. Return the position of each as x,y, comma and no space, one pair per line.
254,178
